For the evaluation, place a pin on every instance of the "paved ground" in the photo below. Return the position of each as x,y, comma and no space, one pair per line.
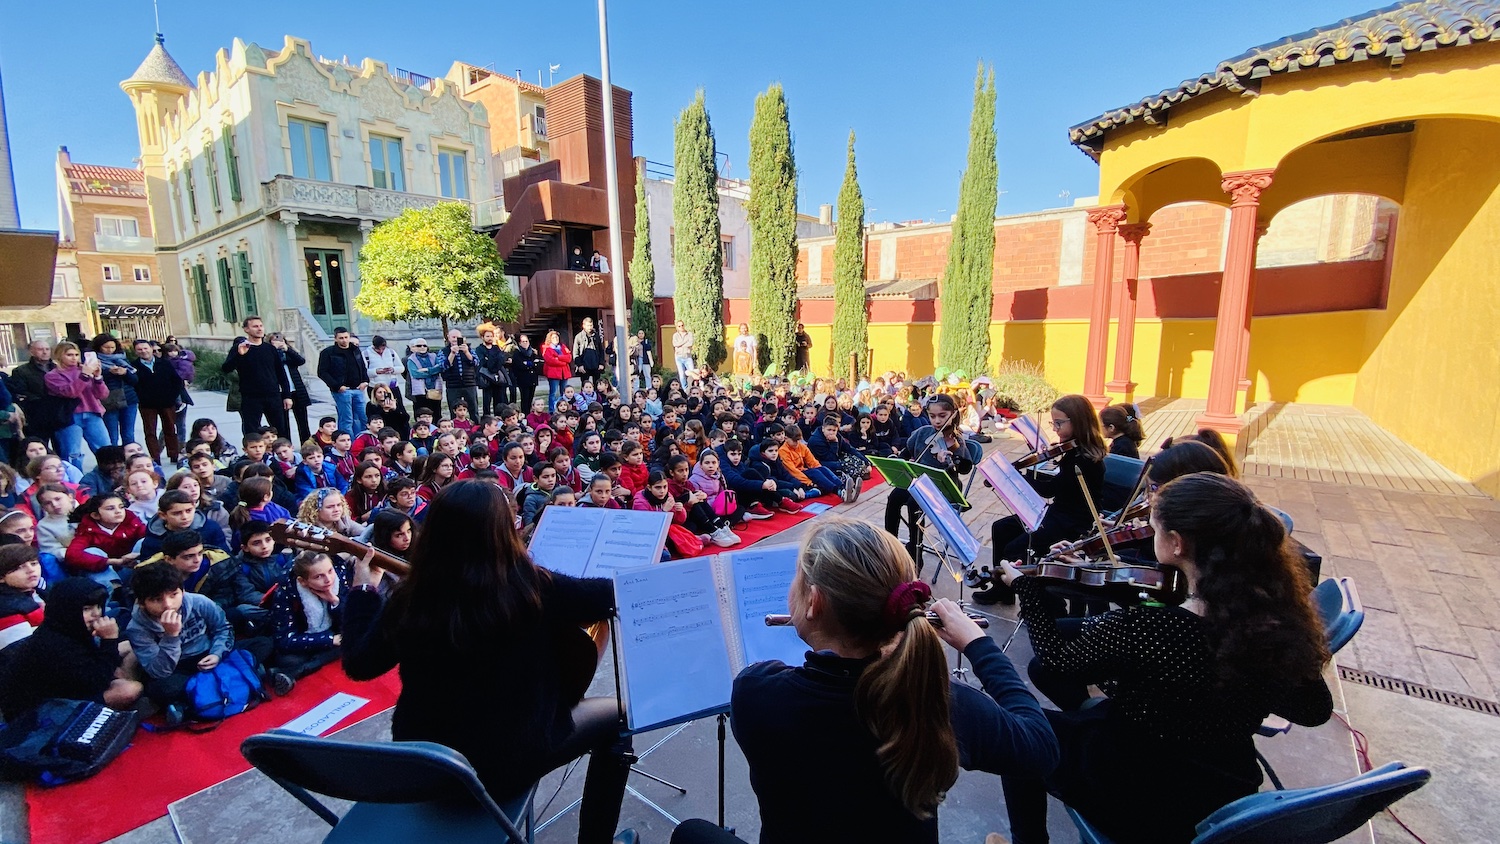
1420,544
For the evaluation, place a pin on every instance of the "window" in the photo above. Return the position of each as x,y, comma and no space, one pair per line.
117,226
176,193
385,163
453,175
226,292
244,282
309,149
726,246
232,164
211,163
142,274
111,272
192,195
539,113
203,306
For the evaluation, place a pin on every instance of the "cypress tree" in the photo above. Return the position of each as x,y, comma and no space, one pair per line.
697,257
773,229
966,290
642,271
851,321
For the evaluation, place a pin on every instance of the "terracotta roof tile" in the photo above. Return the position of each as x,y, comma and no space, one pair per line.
1388,33
102,180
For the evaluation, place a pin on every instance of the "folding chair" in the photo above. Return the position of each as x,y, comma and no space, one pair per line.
402,791
1314,815
1120,476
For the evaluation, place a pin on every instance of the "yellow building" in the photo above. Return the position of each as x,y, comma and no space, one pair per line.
1399,104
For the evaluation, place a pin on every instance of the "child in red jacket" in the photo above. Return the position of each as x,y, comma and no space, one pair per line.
107,533
633,471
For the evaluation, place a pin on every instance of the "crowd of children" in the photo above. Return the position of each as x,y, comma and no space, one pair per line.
163,572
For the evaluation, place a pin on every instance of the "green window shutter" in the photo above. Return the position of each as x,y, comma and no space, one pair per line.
232,161
226,292
245,282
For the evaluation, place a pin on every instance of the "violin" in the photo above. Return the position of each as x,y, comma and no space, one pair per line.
1051,452
1120,583
1093,546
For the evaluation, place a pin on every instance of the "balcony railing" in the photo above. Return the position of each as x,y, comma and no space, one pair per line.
356,202
533,131
124,243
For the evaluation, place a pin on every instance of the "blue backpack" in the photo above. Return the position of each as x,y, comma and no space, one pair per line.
232,687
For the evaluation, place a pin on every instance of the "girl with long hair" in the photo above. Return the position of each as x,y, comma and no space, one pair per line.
872,723
393,532
106,533
437,472
327,508
1214,440
83,381
1122,427
477,633
1068,516
205,430
366,490
1186,686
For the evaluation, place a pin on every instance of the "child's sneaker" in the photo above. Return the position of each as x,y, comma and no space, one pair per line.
757,511
725,538
175,715
787,505
282,683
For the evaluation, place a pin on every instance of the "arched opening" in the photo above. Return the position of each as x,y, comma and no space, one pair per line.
1181,180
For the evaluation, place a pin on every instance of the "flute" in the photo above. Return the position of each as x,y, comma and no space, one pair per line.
782,620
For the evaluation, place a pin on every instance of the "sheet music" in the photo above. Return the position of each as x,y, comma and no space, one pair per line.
592,542
674,653
564,539
941,514
1027,428
1018,495
762,578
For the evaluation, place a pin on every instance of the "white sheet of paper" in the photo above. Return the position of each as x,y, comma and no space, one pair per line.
564,539
326,715
762,577
627,539
946,519
1027,428
817,507
1018,495
676,660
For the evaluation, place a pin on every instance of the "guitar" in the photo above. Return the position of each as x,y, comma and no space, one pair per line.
578,650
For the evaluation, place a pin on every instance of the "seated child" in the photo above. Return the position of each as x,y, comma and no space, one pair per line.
313,473
143,488
21,593
76,653
176,510
105,538
308,612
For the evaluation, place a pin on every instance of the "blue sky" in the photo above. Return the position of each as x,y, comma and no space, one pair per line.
899,73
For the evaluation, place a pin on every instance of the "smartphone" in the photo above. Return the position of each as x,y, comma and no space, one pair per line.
90,358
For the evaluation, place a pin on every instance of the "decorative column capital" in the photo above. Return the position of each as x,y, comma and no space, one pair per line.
366,226
289,218
1134,232
1107,219
1244,188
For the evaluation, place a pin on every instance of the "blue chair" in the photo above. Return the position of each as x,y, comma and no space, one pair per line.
1284,516
402,791
1120,477
1314,815
1337,603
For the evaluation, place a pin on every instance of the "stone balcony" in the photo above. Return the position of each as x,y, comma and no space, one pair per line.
353,203
124,244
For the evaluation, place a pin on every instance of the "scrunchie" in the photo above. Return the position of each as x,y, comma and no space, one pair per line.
903,599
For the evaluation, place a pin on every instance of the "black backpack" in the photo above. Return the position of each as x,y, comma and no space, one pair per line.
44,744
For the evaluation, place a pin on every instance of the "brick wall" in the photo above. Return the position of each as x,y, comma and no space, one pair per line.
922,255
1028,255
1184,239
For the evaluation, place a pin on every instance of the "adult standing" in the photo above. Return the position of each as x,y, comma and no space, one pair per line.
384,365
423,369
557,362
746,348
461,373
525,368
804,345
507,343
46,414
342,367
71,379
292,361
158,388
494,371
682,352
588,351
122,403
643,353
265,390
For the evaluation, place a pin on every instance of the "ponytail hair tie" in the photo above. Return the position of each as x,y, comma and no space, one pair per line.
903,599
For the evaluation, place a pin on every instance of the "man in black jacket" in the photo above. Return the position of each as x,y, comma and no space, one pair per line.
342,368
494,371
29,387
264,388
293,361
158,388
461,377
525,368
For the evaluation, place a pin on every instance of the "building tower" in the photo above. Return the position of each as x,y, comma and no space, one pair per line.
10,214
155,90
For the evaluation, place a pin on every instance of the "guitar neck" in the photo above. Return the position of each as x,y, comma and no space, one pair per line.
315,538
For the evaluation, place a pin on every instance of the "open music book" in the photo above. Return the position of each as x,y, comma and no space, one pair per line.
1013,489
949,523
593,542
686,629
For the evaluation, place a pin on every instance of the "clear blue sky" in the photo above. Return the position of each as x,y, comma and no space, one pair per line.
899,73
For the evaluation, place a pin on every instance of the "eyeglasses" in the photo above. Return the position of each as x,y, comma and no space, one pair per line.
1056,424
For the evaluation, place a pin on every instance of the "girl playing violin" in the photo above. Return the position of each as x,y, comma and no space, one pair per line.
1068,517
941,445
1186,687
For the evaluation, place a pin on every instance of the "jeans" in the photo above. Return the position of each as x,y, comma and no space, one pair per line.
121,424
86,427
351,411
468,395
168,421
823,478
554,392
684,366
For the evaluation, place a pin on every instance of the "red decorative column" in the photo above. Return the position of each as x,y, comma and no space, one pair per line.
1244,385
1132,234
1231,328
1106,222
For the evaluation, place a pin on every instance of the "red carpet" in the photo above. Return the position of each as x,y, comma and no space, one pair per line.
755,531
161,768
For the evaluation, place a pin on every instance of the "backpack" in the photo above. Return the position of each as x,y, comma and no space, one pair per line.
231,688
32,747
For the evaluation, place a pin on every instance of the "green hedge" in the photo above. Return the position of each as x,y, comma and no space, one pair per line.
1022,387
206,372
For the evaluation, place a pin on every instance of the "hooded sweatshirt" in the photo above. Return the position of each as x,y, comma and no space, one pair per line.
205,630
62,659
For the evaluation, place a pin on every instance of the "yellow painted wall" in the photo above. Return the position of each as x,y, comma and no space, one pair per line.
1432,372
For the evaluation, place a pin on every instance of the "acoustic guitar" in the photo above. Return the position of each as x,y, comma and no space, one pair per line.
578,650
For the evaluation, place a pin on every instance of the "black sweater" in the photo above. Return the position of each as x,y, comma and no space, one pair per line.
157,385
261,374
62,658
1069,512
497,701
806,745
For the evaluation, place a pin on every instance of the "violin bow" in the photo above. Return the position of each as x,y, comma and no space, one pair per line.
1140,486
1098,522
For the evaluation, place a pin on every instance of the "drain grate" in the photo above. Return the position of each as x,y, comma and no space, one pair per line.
1410,689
